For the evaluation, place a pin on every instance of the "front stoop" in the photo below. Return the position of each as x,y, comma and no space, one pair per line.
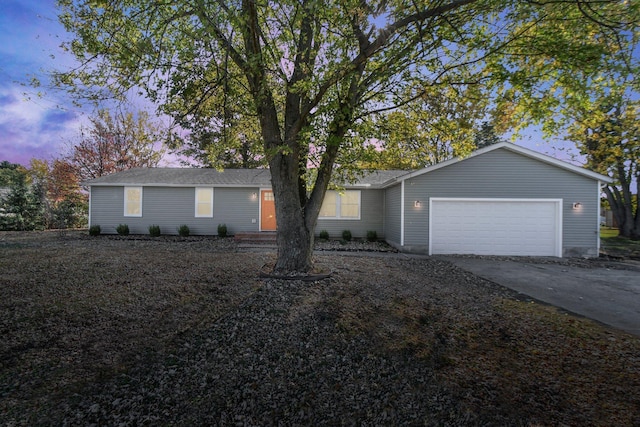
266,237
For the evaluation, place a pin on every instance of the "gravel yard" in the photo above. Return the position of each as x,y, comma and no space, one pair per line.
180,331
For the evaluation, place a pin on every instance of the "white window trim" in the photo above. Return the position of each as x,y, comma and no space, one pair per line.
126,202
195,193
337,215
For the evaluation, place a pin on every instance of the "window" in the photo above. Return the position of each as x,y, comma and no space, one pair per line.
204,202
132,201
345,205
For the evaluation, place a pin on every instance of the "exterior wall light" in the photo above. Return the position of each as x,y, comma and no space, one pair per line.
577,205
254,196
417,204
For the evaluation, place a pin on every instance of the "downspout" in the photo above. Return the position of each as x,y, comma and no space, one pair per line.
89,216
600,185
402,213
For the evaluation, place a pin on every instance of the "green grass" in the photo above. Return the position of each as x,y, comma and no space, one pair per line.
612,243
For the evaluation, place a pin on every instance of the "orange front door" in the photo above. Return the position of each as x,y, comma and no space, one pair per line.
268,212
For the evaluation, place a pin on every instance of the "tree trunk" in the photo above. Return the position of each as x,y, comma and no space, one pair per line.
621,206
294,237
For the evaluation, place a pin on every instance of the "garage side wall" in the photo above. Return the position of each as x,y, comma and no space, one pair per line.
392,215
504,174
170,207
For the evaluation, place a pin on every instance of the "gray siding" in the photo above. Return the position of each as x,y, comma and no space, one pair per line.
170,207
504,174
392,215
371,218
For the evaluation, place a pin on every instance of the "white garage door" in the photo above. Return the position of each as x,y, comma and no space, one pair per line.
526,227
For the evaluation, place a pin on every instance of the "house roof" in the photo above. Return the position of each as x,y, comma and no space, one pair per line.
189,177
505,146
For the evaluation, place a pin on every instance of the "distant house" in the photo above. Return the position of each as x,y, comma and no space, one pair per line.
501,200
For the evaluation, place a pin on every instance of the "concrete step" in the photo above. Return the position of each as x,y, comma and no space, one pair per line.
257,237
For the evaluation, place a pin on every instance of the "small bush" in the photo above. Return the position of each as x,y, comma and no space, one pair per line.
346,235
122,229
94,230
183,230
324,235
372,236
154,230
222,230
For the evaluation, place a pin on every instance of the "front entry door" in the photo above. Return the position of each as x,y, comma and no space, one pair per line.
268,215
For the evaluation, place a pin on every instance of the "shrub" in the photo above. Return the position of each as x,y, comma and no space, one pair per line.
122,229
372,236
94,230
346,235
154,230
183,230
324,235
222,230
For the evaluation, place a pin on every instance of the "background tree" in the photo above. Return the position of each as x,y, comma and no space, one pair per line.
113,143
589,97
312,70
223,134
608,134
11,173
45,195
22,209
438,126
486,136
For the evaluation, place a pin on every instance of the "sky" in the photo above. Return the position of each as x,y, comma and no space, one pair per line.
43,126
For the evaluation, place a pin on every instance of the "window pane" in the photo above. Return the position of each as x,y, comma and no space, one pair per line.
350,204
329,204
133,201
204,202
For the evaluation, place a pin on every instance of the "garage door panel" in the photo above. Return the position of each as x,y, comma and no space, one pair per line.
495,227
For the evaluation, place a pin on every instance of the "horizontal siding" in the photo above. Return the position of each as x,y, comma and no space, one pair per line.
371,218
237,208
504,174
170,207
392,218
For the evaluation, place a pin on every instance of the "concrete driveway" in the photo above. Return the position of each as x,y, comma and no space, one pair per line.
610,295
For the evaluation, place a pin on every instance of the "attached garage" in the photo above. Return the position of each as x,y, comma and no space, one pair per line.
501,200
522,227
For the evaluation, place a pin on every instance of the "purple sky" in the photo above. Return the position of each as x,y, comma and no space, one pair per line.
42,127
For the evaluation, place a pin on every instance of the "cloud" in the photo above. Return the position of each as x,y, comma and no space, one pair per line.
34,129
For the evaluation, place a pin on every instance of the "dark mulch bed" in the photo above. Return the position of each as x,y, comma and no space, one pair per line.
171,331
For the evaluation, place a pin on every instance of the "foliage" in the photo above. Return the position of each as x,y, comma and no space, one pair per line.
116,142
486,136
183,230
23,208
324,235
122,229
438,126
307,73
94,230
589,95
346,235
154,230
45,195
608,134
11,173
372,236
222,230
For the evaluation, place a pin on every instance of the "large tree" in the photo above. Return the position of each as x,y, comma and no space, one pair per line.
588,98
116,142
607,132
311,69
